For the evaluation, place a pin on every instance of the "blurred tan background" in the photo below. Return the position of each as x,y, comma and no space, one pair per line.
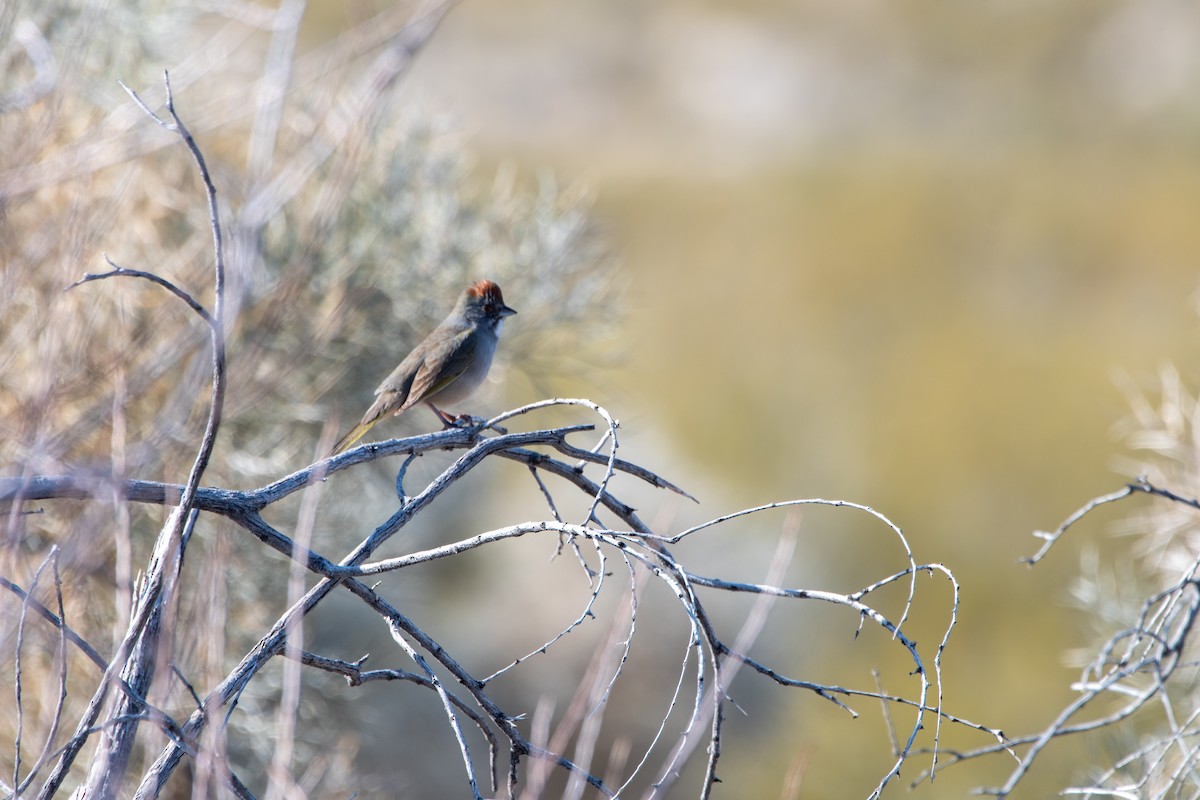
897,253
906,254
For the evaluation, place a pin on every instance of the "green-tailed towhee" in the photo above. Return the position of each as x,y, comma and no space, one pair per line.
447,366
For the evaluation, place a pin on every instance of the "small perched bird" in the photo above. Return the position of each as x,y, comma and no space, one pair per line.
447,366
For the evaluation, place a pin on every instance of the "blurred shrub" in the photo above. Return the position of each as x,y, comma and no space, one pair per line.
352,222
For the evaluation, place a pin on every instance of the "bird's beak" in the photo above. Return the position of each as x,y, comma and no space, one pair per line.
505,311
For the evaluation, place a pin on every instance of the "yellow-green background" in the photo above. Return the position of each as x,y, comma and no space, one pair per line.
892,252
897,253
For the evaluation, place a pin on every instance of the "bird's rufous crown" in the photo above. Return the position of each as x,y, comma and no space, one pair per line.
487,289
484,296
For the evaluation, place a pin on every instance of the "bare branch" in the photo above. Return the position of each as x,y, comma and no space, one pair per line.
108,771
1087,508
56,621
122,272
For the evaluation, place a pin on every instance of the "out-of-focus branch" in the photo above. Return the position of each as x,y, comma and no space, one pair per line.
45,77
136,655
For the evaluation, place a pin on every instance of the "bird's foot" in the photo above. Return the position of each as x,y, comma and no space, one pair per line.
463,421
448,420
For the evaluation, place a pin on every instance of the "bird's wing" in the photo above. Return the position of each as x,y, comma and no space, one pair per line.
416,379
456,354
398,385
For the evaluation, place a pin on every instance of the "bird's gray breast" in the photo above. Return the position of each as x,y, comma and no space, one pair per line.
476,372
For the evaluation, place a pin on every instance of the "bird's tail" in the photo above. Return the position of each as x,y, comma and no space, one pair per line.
356,433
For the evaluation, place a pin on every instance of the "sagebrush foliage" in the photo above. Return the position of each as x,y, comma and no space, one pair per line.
348,233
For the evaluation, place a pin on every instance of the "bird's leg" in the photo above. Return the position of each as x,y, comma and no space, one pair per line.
447,420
